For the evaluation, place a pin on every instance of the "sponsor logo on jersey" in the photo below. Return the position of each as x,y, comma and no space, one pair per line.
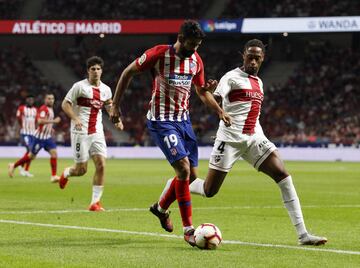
180,79
97,104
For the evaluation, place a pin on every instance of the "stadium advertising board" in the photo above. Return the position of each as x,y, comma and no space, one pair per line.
251,25
89,27
301,25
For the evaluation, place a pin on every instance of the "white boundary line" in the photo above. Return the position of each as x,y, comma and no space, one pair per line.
19,212
338,251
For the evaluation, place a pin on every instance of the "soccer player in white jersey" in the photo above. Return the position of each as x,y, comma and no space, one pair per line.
26,116
174,69
45,119
83,105
241,92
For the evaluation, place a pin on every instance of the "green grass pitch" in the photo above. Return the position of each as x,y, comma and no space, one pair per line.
43,226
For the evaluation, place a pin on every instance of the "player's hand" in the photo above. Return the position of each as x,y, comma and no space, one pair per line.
226,118
119,125
78,124
211,85
114,115
57,120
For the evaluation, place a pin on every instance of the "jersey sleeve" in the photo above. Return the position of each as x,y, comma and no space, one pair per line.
199,78
148,59
223,87
42,113
73,93
19,112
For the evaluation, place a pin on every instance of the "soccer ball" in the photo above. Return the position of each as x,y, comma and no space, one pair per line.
207,236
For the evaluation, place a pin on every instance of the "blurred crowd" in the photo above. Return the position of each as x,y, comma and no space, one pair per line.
10,9
125,9
289,8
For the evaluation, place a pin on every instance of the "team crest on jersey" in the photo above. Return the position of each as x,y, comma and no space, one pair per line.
193,67
142,59
78,155
173,151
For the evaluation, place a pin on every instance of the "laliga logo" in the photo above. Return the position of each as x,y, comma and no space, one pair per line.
209,26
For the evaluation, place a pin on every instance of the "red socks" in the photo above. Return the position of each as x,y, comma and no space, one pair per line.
22,160
169,197
53,164
184,200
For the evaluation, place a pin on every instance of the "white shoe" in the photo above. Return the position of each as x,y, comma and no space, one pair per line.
11,170
309,239
22,171
28,174
54,179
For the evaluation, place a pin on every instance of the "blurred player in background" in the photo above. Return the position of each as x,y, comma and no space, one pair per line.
45,119
174,69
241,92
26,116
83,105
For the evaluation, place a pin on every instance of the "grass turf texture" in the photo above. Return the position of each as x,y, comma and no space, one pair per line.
248,208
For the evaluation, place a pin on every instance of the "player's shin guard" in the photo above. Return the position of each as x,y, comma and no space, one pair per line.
168,197
53,164
184,200
292,204
22,160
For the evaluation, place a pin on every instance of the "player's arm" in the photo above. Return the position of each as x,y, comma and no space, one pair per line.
44,121
206,96
123,83
19,116
67,107
108,104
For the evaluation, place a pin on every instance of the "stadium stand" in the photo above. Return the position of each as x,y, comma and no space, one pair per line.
288,8
10,9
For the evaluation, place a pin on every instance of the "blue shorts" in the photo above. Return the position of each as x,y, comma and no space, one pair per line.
175,139
38,144
27,140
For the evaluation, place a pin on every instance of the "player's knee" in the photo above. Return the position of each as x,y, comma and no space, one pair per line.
183,168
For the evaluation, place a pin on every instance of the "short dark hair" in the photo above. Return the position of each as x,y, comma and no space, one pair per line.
93,61
254,43
191,29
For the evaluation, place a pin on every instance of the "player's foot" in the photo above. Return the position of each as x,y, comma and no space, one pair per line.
28,174
22,171
163,217
55,179
62,181
96,207
189,237
11,170
309,239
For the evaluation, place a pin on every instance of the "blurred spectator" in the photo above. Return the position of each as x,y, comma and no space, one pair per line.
10,9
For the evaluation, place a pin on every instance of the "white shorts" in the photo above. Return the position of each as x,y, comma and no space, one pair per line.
84,146
254,149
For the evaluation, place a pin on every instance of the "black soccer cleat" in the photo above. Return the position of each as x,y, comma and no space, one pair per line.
163,217
189,237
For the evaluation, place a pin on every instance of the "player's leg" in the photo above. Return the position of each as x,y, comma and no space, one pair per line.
80,147
98,182
35,148
50,147
29,143
274,167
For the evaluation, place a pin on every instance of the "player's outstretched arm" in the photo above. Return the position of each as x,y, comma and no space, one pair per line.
123,83
206,96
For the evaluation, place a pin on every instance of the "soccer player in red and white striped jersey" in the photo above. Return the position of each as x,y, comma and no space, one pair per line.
174,69
42,138
242,94
83,104
26,116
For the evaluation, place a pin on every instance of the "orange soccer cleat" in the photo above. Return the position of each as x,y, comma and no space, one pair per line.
62,181
96,207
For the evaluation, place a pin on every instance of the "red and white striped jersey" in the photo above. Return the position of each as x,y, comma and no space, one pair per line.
242,95
172,79
44,131
27,117
88,101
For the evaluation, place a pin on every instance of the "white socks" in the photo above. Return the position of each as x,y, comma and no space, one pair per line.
97,193
67,172
197,187
292,204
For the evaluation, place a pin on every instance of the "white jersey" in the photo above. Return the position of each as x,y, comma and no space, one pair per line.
242,95
88,101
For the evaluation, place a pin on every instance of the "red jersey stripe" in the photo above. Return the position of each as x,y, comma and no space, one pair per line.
250,122
93,111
